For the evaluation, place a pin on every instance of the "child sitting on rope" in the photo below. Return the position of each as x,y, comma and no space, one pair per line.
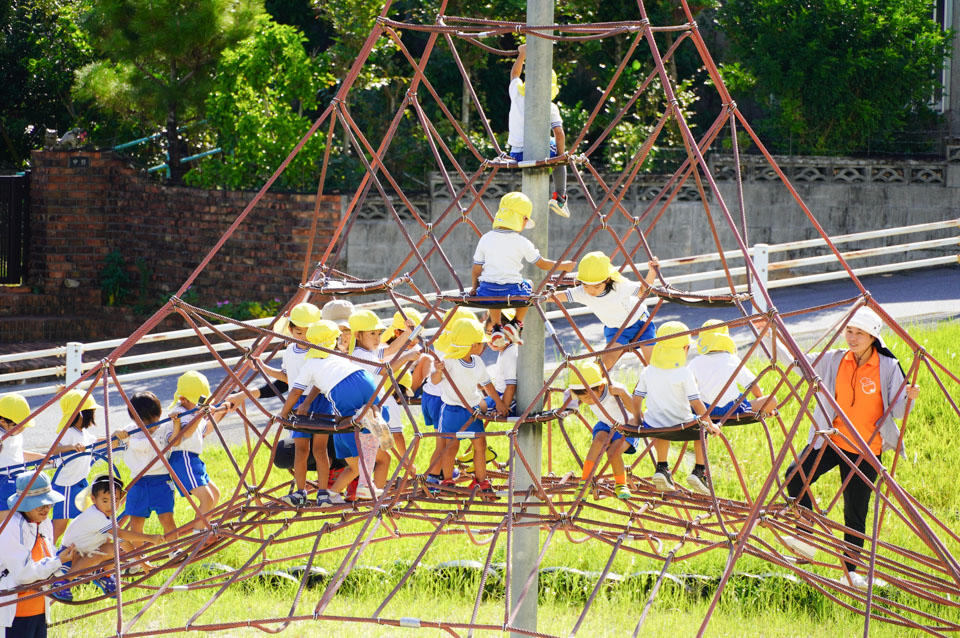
91,538
614,405
499,258
463,374
193,390
715,366
616,302
671,391
349,388
517,91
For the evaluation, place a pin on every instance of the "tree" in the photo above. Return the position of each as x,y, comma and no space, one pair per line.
160,58
258,104
835,75
40,48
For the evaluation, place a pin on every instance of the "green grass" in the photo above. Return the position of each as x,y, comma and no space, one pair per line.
772,608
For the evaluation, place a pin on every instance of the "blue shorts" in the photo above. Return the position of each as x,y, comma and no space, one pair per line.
518,156
487,289
489,405
8,487
430,405
150,494
69,496
453,418
631,334
190,469
320,405
631,440
720,410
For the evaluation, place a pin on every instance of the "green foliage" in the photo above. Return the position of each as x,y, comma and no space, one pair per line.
114,280
158,58
263,87
835,75
244,310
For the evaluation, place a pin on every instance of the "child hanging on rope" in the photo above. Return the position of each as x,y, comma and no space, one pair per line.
187,436
152,492
715,365
504,373
672,397
463,374
348,387
90,534
14,410
499,258
615,406
616,301
517,91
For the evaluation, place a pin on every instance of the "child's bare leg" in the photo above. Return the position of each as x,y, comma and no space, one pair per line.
609,359
615,455
349,473
521,313
135,524
494,316
381,468
167,522
449,457
596,447
698,452
301,451
320,458
765,403
436,465
662,449
647,352
480,458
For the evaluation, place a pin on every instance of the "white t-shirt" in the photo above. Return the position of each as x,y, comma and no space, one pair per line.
12,452
504,371
515,136
467,374
712,371
139,452
375,359
76,469
325,374
667,395
88,531
293,359
429,387
192,443
612,308
502,252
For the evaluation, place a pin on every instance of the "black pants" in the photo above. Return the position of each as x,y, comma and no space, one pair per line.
28,627
856,495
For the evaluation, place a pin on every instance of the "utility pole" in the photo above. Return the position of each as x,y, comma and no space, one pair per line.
530,368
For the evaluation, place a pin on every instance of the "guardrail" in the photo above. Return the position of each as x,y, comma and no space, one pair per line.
761,253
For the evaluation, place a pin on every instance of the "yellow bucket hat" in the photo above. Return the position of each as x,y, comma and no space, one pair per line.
69,403
464,334
554,86
399,323
301,315
514,208
595,268
191,386
325,334
14,407
669,352
365,321
715,340
591,373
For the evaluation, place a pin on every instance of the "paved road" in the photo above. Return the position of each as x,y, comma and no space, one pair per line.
910,296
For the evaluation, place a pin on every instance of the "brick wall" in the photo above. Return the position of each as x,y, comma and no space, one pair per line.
80,213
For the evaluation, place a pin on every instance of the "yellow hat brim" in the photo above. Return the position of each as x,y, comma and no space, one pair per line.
715,342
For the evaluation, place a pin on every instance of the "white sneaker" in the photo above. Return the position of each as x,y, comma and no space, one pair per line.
801,548
558,206
367,493
859,581
335,498
512,333
699,482
663,481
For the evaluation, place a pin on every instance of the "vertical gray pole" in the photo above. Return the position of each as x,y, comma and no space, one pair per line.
530,369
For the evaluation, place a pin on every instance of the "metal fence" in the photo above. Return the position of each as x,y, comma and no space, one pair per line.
14,226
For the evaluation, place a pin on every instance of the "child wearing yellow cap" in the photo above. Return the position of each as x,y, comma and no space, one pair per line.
613,405
672,397
14,411
517,92
499,258
187,434
78,415
716,367
463,374
616,302
348,387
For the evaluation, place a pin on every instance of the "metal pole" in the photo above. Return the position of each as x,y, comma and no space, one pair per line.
761,261
530,368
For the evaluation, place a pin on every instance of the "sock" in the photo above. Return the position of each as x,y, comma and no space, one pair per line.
560,182
699,467
587,468
497,327
620,479
662,466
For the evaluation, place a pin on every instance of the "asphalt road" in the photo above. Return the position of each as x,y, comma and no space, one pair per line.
910,296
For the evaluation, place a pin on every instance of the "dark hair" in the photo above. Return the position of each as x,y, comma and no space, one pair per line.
101,484
84,419
147,406
608,285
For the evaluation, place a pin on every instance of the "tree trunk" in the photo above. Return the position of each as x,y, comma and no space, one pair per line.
175,149
465,102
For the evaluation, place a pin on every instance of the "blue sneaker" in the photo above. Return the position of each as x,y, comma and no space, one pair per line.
107,584
64,595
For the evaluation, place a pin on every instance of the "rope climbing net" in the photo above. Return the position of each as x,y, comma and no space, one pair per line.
750,512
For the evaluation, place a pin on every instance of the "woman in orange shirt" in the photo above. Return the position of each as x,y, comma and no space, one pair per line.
865,380
27,556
